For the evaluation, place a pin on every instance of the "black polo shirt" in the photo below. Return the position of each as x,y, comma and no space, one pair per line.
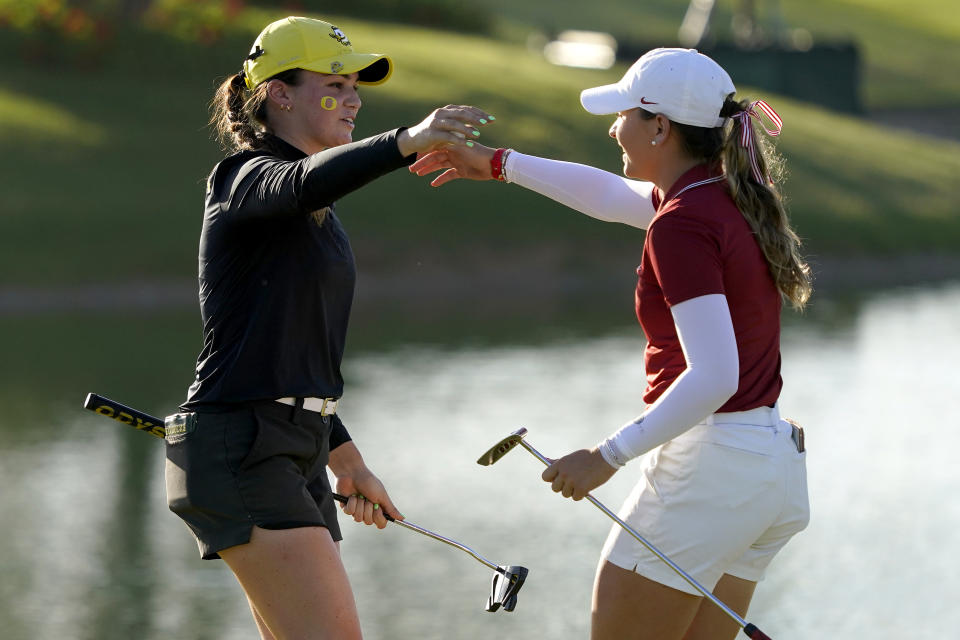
276,287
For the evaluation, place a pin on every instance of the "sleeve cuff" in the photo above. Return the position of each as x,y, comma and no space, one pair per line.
406,160
611,454
338,433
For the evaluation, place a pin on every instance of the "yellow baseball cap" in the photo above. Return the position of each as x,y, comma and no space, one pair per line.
314,45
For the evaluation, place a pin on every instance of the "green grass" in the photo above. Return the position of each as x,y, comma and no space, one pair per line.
45,121
103,177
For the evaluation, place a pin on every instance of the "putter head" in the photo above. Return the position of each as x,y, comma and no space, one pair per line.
502,448
505,587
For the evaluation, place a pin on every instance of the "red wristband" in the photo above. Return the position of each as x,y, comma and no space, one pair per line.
496,165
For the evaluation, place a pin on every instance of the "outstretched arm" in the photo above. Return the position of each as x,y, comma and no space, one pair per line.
591,191
258,186
594,192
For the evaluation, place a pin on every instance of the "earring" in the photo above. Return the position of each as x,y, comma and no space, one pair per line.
285,107
653,143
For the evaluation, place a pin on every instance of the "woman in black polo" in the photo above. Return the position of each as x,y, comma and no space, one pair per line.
247,473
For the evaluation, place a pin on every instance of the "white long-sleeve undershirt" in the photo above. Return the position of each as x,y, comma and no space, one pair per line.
712,376
594,192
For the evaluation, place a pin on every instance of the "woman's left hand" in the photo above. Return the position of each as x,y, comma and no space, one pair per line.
367,498
577,474
449,125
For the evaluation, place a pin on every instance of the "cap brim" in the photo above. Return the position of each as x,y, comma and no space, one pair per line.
605,100
377,72
373,68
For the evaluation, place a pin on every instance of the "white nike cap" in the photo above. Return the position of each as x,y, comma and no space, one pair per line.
682,84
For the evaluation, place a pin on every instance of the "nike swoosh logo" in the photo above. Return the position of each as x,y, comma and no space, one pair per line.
645,101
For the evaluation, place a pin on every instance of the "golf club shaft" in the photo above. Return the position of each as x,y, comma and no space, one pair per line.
748,628
435,536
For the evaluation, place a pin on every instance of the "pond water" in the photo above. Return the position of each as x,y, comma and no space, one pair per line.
91,552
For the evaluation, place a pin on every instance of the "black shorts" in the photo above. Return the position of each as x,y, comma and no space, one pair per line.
262,465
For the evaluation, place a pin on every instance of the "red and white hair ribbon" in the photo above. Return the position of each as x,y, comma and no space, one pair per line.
746,131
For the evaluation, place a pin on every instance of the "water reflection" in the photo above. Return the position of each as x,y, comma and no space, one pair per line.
91,551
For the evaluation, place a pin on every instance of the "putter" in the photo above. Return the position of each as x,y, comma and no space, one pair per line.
506,581
503,447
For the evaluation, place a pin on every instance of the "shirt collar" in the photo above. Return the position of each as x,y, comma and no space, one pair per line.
697,173
284,149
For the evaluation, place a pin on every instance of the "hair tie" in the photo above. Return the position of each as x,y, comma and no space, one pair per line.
746,131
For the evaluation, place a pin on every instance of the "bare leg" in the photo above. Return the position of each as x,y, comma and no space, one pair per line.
296,584
710,622
627,605
261,625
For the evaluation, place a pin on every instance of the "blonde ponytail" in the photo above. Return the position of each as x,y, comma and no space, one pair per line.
762,205
759,202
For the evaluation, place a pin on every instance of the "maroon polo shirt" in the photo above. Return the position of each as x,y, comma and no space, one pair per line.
700,244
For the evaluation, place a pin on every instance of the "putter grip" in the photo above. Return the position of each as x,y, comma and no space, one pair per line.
343,499
126,415
753,632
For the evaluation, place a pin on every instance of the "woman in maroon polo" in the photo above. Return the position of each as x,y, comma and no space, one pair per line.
722,484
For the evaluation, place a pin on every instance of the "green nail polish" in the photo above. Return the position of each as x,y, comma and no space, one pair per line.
375,506
476,133
492,118
469,144
483,121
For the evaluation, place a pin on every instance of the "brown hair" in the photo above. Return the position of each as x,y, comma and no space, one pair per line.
239,117
760,204
240,121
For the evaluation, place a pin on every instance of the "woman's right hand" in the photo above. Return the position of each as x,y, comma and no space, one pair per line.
460,161
447,126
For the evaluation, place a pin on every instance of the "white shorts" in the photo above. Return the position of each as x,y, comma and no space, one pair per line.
724,497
